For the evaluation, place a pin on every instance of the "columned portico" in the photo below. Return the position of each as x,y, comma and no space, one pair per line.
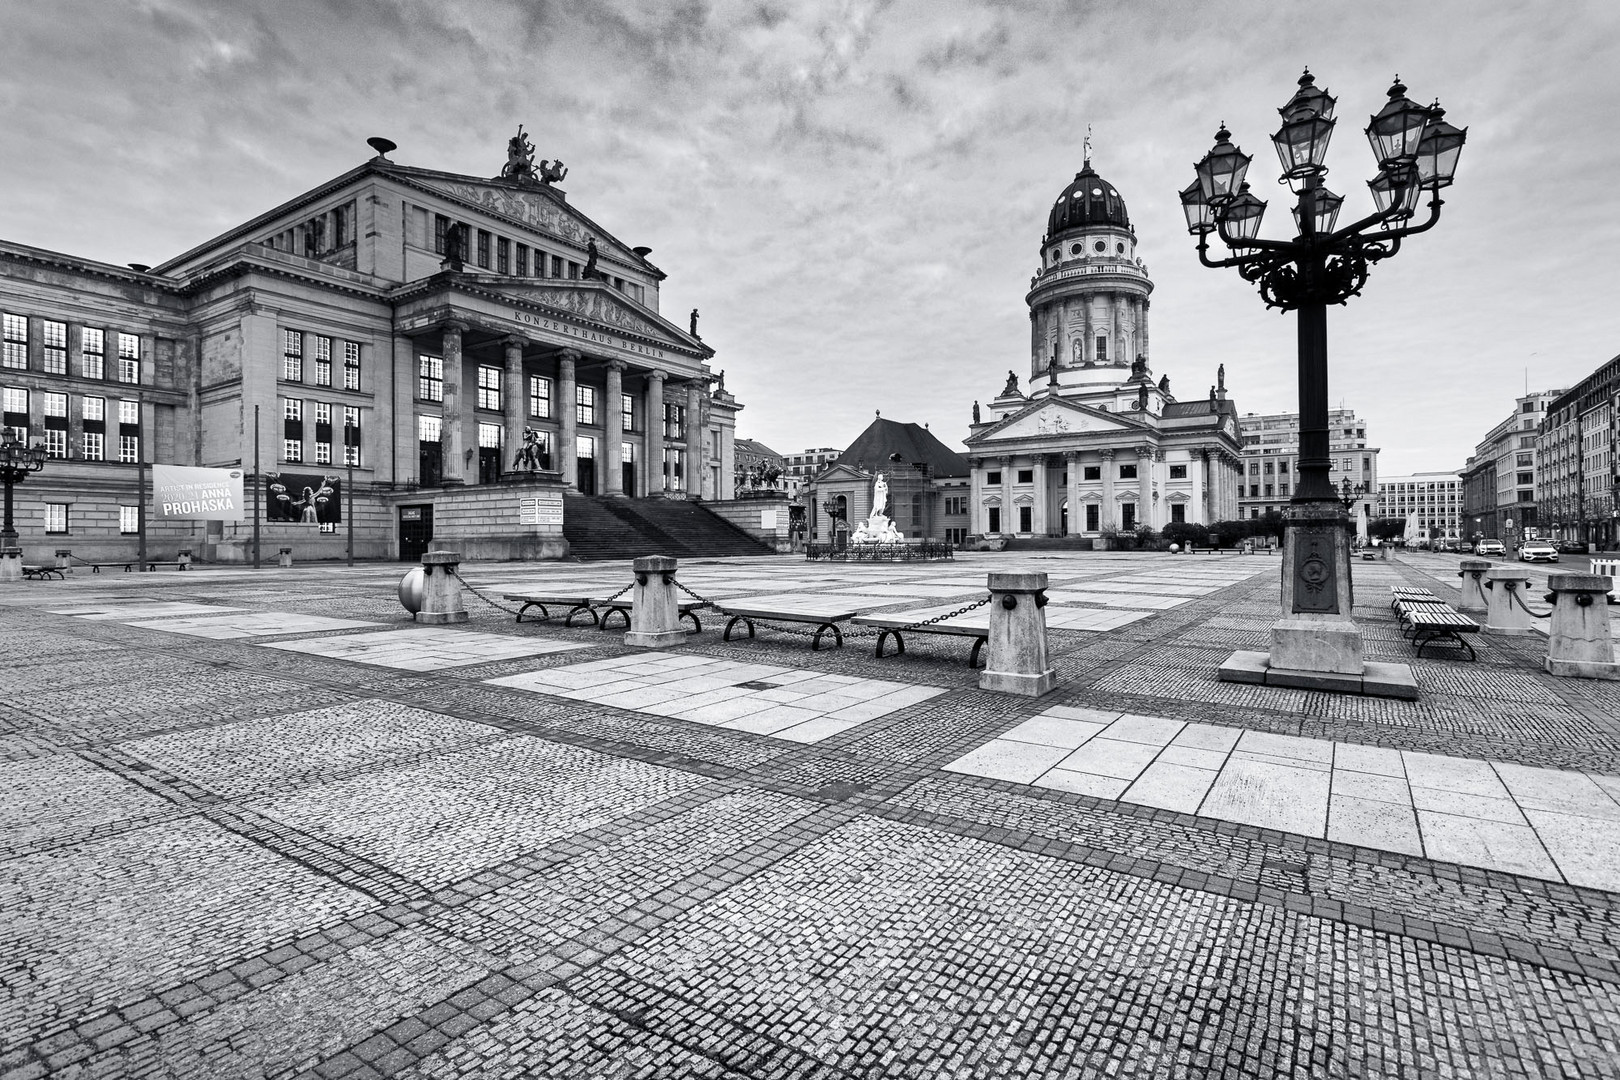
613,430
512,399
451,436
568,452
654,481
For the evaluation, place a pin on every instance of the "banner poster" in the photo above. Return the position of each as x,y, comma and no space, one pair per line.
303,498
181,492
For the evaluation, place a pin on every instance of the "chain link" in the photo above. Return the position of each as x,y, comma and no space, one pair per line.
476,591
852,632
1517,599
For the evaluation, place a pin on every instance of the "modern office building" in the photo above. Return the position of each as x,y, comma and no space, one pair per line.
1434,497
413,325
1499,480
1578,487
1271,462
1094,443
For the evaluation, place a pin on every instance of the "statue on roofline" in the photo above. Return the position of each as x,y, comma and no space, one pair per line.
519,158
552,172
1012,384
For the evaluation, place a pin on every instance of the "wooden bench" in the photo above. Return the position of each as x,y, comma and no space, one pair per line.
600,609
43,573
1399,593
1428,621
824,620
891,626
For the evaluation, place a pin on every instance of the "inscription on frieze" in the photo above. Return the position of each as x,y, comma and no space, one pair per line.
1316,585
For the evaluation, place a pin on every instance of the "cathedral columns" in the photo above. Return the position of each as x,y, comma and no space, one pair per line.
1088,344
1037,522
512,399
1009,519
1071,465
1144,486
451,435
1108,519
1200,487
568,416
613,430
1142,325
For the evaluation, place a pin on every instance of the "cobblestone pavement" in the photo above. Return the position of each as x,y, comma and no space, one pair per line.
260,824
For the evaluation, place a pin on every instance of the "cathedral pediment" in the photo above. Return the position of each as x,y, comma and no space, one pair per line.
1054,418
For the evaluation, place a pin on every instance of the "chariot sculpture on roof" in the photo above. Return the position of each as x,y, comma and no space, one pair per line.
519,158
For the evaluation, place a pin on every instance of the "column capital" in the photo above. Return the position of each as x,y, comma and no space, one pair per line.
1144,451
616,365
570,356
1107,453
455,326
514,341
1005,459
658,374
1071,455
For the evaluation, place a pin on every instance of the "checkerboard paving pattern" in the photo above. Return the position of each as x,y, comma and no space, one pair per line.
426,648
1559,825
766,699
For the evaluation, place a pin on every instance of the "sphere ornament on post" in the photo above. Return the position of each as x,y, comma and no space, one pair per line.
1317,644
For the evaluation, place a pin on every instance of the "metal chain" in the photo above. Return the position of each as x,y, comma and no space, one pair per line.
517,611
853,632
1520,601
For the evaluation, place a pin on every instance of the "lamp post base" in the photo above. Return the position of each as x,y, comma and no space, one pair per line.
11,564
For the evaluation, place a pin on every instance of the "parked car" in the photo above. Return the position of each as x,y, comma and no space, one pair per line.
1538,551
1489,547
984,542
1571,547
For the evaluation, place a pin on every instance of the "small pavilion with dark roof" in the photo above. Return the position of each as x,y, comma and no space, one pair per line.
928,484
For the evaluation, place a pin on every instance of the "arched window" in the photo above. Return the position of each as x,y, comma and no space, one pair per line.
843,508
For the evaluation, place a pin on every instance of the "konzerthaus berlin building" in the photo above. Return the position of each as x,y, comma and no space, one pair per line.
1095,444
415,325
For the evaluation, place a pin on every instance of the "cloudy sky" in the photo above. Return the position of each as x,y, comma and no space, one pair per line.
854,192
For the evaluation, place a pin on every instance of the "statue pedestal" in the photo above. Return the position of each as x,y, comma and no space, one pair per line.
1316,645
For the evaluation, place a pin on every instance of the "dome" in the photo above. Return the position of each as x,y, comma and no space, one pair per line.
1090,200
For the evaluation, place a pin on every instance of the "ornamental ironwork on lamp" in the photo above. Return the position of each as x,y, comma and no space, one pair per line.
17,460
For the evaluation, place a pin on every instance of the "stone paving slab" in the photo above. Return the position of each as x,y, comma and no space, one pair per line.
251,624
424,648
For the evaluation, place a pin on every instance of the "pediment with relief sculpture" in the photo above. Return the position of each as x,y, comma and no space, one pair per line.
599,305
539,212
1054,418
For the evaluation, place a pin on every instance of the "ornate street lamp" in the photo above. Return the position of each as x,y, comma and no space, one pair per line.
1415,152
17,460
1348,493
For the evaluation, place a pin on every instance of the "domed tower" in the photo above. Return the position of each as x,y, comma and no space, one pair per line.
1088,305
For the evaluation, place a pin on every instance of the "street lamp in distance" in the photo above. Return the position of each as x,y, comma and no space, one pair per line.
17,461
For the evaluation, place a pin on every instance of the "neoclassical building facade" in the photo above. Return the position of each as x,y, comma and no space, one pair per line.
414,325
1094,444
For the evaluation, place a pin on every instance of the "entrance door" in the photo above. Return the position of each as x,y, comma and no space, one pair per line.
993,521
415,532
585,464
628,478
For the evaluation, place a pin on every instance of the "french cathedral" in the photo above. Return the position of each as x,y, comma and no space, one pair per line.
1093,444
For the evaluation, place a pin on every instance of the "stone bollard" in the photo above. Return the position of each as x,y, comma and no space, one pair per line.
64,558
1505,587
11,564
655,618
1473,597
441,589
1579,644
284,557
1017,659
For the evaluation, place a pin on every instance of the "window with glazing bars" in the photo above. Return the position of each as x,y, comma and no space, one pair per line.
430,378
539,396
15,354
489,387
351,435
129,358
292,356
323,360
92,354
351,365
53,342
585,404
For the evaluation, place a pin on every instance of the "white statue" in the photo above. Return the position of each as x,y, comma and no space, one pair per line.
877,529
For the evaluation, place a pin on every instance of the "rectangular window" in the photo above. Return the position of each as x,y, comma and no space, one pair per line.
1178,513
1026,476
674,420
1091,472
95,446
129,358
1178,472
1025,519
539,396
53,340
351,365
323,360
1269,492
292,355
430,378
129,448
675,468
1254,491
129,519
627,412
340,224
503,255
56,518
16,342
351,435
573,271
292,429
323,453
585,404
1127,517
55,406
1127,472
522,267
489,436
483,249
56,425
428,428
93,354
993,478
489,387
441,227
1092,511
95,428
1102,348
556,266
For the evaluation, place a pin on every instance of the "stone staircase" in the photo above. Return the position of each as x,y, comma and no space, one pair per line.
603,529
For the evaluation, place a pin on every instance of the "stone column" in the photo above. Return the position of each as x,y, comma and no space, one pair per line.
451,436
654,440
1199,472
1071,465
1017,660
568,418
1087,345
1009,514
512,394
1108,519
613,430
696,468
1144,485
1142,325
1037,523
1578,642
